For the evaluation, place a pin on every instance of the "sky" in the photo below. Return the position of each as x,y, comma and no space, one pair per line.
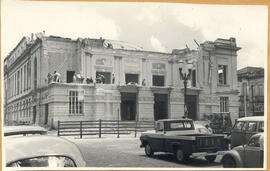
152,26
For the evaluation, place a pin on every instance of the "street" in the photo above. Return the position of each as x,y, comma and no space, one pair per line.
126,152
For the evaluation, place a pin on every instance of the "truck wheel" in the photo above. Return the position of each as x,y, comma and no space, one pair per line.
180,155
228,162
148,150
211,159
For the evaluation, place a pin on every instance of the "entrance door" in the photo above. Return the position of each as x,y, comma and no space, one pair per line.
46,113
128,106
160,106
34,114
192,106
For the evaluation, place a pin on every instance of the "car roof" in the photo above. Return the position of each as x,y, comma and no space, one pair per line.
252,118
167,120
22,147
261,134
17,130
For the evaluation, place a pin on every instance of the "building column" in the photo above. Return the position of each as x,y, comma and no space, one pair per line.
121,72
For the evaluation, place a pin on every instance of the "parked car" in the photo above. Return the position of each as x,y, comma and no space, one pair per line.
246,156
244,128
178,136
29,146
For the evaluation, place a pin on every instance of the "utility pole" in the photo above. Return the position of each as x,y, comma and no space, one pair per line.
252,98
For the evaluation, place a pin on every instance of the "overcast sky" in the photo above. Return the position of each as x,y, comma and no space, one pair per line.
153,26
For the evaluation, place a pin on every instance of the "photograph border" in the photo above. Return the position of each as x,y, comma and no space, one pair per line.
209,2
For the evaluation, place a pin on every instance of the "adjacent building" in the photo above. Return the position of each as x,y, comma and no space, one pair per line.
251,87
106,79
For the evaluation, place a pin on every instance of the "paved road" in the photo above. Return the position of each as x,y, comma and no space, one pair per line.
125,152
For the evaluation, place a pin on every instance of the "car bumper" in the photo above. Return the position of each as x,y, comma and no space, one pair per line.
203,154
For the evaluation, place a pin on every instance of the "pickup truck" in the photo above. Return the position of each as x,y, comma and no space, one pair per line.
178,136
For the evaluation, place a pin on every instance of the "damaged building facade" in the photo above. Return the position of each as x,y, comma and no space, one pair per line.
137,84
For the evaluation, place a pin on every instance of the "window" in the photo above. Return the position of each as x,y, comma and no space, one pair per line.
18,82
254,142
35,73
25,77
131,78
70,75
238,126
193,78
103,77
177,125
224,104
261,127
21,81
158,80
222,74
75,102
251,127
180,126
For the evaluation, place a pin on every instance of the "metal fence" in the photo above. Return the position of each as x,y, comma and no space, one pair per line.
102,127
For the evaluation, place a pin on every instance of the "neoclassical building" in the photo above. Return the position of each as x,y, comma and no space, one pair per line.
137,84
251,87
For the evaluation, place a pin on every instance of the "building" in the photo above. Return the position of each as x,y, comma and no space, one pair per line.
251,87
137,84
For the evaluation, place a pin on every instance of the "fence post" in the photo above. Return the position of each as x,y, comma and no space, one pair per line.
80,129
58,128
136,128
118,123
99,133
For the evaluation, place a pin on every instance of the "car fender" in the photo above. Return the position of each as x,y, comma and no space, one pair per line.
236,156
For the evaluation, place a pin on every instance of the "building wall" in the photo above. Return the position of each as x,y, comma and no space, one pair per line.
103,101
251,79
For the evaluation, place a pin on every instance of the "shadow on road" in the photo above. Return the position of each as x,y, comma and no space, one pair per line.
192,162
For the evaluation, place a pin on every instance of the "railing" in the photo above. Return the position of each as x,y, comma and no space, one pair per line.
102,127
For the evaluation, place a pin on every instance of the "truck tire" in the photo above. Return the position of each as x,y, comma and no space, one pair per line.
228,162
180,155
148,150
211,159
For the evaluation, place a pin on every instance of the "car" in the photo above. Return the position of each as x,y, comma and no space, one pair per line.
179,137
249,155
29,146
244,128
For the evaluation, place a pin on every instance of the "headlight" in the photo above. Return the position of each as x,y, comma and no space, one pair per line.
47,161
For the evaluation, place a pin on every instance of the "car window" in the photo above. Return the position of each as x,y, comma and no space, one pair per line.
254,142
238,125
159,126
187,124
251,126
44,161
244,128
177,125
203,130
261,126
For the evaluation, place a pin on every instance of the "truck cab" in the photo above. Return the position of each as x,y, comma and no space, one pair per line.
172,127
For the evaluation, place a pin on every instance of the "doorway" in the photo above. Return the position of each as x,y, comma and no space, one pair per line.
34,114
160,106
46,113
70,75
192,106
128,106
